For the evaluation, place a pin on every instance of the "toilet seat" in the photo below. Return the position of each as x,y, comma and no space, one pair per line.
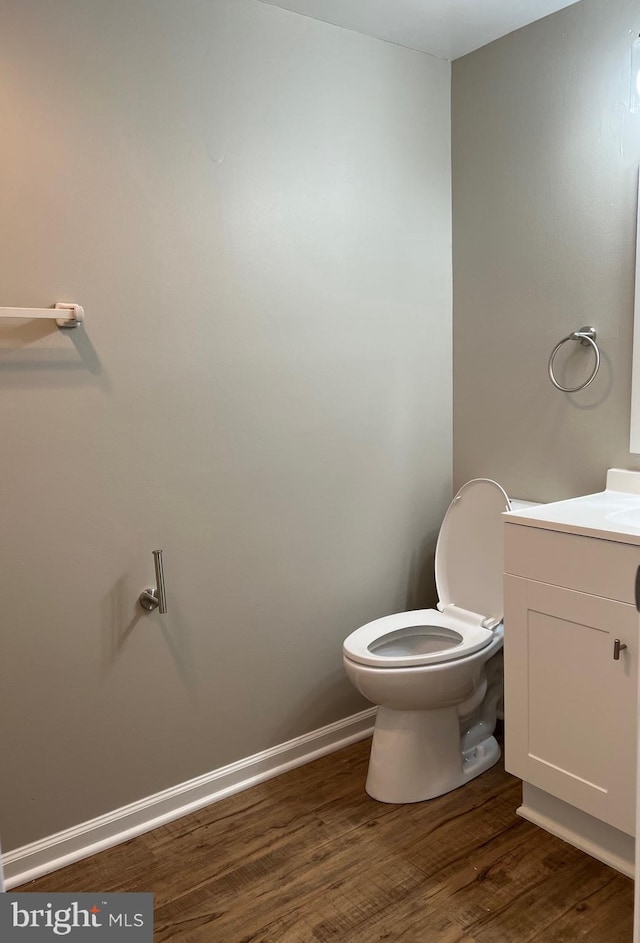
469,571
420,637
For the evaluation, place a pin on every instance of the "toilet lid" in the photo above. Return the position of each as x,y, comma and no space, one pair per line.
469,560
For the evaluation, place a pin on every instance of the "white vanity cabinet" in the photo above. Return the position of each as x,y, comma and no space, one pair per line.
570,703
570,706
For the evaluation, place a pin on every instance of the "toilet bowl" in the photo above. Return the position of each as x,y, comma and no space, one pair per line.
436,674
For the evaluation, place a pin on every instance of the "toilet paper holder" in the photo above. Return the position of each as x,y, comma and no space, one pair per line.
151,598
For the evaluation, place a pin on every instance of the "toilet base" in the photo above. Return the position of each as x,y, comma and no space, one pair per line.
416,755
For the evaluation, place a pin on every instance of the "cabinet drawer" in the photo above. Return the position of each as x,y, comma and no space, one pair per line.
587,564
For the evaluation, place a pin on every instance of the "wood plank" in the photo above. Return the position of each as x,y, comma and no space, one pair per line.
309,857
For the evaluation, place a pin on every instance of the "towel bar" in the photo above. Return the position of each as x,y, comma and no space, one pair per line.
74,317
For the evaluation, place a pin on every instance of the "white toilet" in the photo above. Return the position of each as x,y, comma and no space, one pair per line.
436,674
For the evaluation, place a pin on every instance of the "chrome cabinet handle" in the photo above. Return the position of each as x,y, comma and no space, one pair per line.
638,589
151,599
618,646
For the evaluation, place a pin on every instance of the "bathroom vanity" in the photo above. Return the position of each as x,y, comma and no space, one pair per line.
571,658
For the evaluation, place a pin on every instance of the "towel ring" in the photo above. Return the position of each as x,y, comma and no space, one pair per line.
586,336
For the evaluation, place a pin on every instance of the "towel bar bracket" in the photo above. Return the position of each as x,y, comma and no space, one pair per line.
75,315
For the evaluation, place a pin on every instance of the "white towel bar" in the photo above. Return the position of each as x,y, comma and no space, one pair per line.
74,317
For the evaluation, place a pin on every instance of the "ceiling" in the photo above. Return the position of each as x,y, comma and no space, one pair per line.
444,28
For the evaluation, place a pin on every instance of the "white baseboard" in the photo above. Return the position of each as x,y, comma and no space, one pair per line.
59,850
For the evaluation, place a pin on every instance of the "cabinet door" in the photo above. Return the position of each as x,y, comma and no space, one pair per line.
570,707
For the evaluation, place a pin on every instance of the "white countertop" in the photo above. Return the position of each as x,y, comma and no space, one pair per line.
612,514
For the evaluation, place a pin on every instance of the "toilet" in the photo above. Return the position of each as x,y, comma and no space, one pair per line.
436,674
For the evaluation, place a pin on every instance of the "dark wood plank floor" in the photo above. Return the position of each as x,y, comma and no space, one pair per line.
309,857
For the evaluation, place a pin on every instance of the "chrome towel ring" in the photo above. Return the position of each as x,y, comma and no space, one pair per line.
586,336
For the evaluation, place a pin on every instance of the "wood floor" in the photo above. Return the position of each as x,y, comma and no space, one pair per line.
309,857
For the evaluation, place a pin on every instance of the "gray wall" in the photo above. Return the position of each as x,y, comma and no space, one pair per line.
545,157
254,209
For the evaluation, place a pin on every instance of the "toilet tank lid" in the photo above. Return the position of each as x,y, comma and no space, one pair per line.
469,560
